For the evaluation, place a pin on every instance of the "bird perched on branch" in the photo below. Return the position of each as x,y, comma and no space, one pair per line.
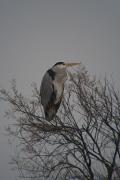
52,88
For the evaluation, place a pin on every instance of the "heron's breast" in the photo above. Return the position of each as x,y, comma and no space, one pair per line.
59,91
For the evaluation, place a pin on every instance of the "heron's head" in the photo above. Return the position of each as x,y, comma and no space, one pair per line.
63,65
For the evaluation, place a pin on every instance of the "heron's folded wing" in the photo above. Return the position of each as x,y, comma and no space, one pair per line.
46,90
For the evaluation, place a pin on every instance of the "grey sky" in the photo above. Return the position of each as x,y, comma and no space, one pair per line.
34,34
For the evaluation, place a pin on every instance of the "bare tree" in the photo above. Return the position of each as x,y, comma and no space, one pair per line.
82,142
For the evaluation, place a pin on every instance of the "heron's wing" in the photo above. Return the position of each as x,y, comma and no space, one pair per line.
46,90
51,95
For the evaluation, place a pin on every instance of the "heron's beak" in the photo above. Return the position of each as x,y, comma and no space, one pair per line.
72,64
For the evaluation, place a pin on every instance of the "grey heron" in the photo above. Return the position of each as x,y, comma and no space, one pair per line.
52,87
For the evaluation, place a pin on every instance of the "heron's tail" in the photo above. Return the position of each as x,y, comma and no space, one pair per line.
50,114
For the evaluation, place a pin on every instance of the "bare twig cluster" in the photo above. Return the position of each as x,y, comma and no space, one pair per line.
82,142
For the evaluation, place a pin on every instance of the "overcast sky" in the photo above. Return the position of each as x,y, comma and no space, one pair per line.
35,34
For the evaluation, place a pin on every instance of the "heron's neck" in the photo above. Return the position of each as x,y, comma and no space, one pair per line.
61,77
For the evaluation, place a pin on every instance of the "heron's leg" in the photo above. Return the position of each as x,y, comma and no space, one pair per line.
54,120
57,120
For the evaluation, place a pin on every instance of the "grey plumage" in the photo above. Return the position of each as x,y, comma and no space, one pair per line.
52,88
